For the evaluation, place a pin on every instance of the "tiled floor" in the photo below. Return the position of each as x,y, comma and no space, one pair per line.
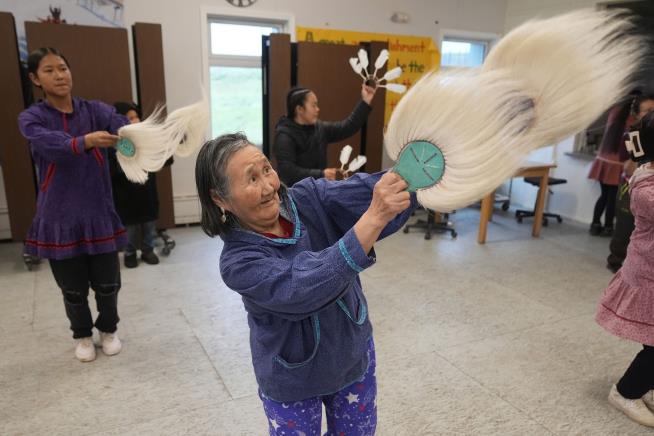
484,340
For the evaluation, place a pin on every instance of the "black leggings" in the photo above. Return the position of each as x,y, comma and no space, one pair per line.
639,377
102,273
606,201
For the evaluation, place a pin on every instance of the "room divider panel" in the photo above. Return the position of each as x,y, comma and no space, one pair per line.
15,158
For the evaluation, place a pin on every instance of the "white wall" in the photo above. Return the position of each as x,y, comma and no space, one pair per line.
576,199
182,41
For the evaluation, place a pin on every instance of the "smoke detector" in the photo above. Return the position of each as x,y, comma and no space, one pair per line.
400,18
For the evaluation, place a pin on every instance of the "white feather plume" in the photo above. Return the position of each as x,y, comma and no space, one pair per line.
193,121
345,155
575,65
363,59
544,81
476,132
381,59
380,62
156,140
356,66
356,163
395,87
392,74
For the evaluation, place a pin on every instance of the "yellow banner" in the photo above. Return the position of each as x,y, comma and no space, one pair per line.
415,54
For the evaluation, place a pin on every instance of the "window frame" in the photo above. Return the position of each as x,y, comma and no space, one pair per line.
488,39
213,13
285,23
225,60
447,38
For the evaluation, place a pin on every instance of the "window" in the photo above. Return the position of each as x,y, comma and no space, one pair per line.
459,52
235,76
238,39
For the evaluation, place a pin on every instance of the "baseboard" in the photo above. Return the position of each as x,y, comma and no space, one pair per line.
187,209
5,226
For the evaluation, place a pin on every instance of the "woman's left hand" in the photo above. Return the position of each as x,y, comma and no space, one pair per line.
367,93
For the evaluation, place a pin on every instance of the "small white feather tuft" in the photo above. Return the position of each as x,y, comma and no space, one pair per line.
395,87
356,66
392,74
381,59
356,163
345,155
363,59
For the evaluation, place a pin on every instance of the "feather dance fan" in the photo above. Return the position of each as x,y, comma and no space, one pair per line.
146,146
347,169
458,135
360,66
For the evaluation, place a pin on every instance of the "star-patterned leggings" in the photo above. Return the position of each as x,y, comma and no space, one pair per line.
352,411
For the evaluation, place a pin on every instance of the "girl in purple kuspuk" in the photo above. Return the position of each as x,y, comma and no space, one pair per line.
75,226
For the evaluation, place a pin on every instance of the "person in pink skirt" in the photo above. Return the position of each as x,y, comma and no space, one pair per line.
607,166
624,220
627,307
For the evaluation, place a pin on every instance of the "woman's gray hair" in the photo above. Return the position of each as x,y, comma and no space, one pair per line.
211,179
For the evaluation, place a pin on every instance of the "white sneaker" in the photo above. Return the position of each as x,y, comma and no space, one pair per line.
648,399
634,409
85,350
110,343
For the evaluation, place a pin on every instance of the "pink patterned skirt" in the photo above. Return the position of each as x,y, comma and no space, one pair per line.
627,311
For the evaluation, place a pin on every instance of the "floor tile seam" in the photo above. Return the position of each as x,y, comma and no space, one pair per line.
520,330
189,411
519,291
33,302
204,350
497,395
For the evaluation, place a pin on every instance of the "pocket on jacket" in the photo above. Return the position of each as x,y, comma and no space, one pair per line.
294,363
360,308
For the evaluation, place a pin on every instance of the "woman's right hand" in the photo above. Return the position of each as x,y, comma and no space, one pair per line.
389,198
330,173
368,93
100,139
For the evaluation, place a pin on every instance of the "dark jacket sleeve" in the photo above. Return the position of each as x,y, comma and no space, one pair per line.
287,166
337,131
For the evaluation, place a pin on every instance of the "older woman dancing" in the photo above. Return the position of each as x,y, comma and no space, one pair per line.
294,255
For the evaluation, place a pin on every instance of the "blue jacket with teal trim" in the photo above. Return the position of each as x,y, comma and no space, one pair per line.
308,317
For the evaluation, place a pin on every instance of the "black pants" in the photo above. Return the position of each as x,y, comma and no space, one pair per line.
73,276
624,226
639,377
605,202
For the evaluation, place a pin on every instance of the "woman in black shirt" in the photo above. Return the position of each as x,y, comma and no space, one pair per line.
301,138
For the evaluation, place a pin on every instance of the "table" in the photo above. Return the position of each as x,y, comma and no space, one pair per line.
529,169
